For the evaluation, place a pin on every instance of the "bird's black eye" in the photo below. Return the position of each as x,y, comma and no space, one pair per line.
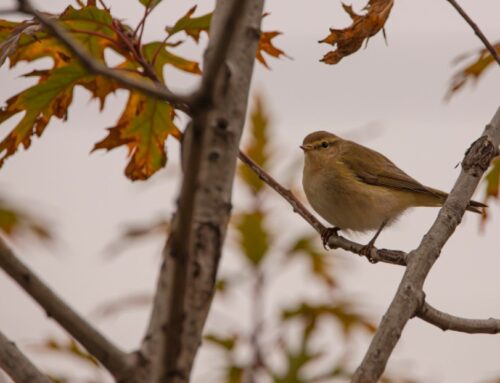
324,144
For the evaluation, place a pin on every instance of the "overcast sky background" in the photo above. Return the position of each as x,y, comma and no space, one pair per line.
388,97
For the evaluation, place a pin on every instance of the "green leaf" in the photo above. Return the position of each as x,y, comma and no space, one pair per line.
192,26
158,53
40,103
254,239
143,127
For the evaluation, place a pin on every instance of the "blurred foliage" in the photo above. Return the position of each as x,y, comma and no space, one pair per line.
69,348
257,148
133,232
17,223
254,238
471,72
492,180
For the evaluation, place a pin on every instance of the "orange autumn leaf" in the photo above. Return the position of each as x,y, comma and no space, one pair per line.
350,40
266,46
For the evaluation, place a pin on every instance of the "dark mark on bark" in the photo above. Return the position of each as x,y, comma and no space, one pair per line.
479,154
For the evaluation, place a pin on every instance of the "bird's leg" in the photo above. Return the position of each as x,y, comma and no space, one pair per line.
327,233
367,249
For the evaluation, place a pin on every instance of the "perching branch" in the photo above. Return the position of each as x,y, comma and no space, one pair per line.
476,30
157,90
395,257
17,365
409,296
449,322
107,353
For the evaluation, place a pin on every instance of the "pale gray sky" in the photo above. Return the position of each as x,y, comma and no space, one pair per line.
398,88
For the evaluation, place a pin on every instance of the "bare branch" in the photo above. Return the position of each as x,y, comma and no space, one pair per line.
107,353
395,257
449,322
154,89
476,29
409,296
17,365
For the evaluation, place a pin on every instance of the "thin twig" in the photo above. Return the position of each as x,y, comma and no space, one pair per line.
112,358
450,322
142,23
409,296
395,257
17,365
476,29
159,91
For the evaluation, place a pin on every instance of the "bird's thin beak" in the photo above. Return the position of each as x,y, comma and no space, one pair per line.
306,147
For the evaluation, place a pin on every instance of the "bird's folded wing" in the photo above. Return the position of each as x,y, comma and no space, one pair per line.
376,169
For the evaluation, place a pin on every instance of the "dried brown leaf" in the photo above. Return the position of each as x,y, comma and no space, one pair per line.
349,40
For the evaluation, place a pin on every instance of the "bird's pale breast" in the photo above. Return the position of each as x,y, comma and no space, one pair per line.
348,203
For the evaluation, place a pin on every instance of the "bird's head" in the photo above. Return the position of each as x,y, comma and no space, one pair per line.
319,146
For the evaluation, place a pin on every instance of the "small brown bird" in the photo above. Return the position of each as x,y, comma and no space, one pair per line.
356,188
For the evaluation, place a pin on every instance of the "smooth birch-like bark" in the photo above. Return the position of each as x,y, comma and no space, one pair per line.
186,283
